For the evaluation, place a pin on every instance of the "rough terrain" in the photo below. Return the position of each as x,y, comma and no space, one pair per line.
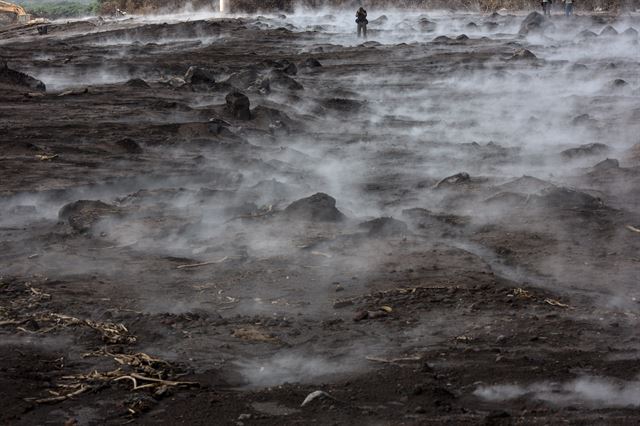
437,225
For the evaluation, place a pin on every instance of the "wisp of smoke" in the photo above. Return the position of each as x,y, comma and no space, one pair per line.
597,391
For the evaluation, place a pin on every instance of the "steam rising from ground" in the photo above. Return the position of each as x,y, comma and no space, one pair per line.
422,119
592,391
294,368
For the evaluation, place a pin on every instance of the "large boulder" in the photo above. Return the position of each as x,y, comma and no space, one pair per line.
608,31
83,214
17,78
238,105
534,23
318,207
586,150
198,75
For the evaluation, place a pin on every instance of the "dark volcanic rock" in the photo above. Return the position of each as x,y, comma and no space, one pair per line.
583,120
379,20
17,78
343,105
523,54
608,31
534,22
384,227
198,75
609,163
462,37
526,185
578,67
137,83
565,198
426,26
618,83
585,150
310,63
318,207
238,105
456,179
631,33
273,119
82,214
586,34
286,66
490,25
442,39
129,146
291,69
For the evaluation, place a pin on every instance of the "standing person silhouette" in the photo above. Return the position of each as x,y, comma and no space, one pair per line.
361,20
568,7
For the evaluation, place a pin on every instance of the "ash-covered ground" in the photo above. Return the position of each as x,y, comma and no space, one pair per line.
437,225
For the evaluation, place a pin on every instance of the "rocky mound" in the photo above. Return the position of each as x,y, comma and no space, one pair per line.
318,207
17,78
535,23
82,214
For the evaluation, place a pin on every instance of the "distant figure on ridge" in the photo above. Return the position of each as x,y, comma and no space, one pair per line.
546,7
568,7
361,20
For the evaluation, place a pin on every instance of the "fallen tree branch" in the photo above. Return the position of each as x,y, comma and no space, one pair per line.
134,377
82,389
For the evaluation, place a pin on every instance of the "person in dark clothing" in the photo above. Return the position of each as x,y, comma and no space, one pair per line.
361,20
546,7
